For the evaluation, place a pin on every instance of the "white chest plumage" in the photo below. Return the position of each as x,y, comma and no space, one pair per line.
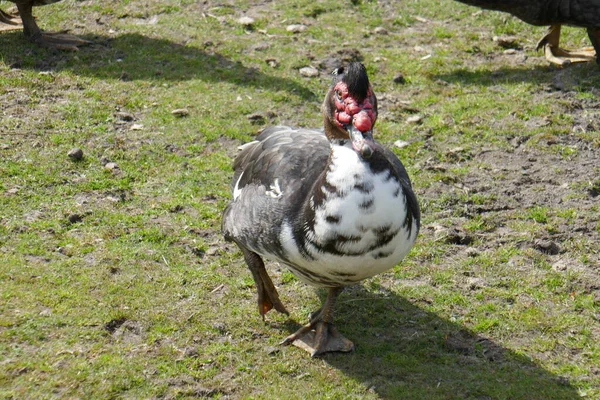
358,229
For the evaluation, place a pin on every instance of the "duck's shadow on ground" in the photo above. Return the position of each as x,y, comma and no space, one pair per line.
132,57
405,352
583,77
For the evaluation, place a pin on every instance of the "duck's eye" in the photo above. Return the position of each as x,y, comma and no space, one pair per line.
338,95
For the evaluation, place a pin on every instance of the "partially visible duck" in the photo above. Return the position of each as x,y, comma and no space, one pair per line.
31,30
581,13
333,205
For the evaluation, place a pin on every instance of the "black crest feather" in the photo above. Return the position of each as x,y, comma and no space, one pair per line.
355,76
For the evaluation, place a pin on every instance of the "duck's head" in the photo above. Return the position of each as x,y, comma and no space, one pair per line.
350,108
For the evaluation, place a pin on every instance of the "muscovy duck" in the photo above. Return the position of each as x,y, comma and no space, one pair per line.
31,30
332,205
581,13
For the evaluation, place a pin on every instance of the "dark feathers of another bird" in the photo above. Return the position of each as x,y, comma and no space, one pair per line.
581,13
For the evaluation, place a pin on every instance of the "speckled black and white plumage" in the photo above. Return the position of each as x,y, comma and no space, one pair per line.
579,13
290,206
331,204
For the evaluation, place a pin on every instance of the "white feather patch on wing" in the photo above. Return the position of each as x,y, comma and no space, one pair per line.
275,190
237,191
243,146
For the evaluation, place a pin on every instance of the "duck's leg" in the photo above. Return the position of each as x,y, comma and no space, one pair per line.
319,335
559,56
268,298
594,35
59,41
9,22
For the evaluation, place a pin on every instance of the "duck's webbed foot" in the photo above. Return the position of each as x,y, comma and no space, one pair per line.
319,335
60,41
9,22
559,56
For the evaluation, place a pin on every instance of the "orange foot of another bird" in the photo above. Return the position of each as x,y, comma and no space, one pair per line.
561,57
60,41
9,22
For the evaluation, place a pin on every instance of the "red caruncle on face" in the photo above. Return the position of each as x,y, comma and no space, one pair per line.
349,110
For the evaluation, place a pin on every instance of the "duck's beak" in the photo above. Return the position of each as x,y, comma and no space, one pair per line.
360,141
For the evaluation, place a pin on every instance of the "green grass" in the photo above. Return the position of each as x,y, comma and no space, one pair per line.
140,297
